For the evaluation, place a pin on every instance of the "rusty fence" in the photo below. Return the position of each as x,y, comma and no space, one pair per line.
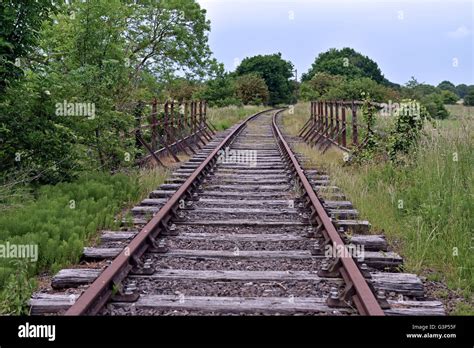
171,127
335,123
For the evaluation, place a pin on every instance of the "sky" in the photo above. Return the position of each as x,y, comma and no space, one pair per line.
432,40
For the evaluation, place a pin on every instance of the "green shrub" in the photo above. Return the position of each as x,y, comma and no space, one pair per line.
434,103
251,89
469,97
449,97
61,220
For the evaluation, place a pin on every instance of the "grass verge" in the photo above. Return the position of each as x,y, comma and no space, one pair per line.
59,221
424,208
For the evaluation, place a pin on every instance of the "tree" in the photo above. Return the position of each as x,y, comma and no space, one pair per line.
447,86
319,85
449,97
434,103
19,32
469,97
219,91
251,89
346,62
168,36
275,71
103,53
181,89
461,90
415,90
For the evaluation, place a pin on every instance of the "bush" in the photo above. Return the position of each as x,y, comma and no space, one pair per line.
407,129
59,222
449,97
276,72
469,97
354,90
434,103
251,89
218,92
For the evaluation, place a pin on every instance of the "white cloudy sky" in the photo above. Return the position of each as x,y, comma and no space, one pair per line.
430,39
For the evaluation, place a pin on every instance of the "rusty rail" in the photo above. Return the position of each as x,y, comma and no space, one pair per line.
363,297
100,291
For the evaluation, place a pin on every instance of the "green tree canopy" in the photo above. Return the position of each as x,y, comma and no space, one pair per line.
276,72
19,30
345,62
103,53
447,86
469,97
449,97
461,90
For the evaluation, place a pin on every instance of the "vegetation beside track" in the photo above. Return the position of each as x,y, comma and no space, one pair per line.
61,220
223,118
423,207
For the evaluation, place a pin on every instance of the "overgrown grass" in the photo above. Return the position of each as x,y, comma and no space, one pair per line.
424,208
223,118
61,220
459,111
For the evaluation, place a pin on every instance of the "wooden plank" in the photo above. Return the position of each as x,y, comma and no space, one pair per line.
239,254
252,171
247,167
266,305
243,194
205,210
161,193
247,188
166,274
117,236
379,260
155,201
241,237
246,202
370,242
356,226
167,187
337,204
239,222
145,209
343,213
50,303
100,253
416,308
254,181
401,283
220,175
70,278
382,260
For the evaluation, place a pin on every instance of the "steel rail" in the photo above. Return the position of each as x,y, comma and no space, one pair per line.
363,298
99,292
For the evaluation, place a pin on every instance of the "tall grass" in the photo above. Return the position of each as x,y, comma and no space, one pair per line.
424,208
223,118
61,220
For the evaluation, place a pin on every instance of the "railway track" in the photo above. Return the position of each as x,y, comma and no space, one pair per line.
240,228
